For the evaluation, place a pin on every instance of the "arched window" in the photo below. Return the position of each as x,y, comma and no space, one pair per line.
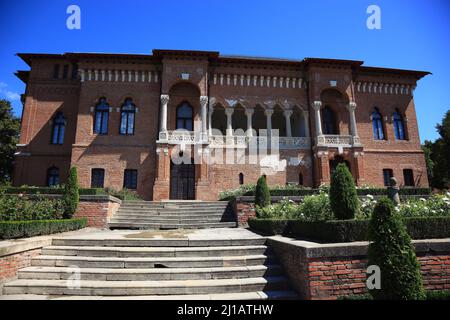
399,127
377,125
127,113
59,125
329,121
241,178
101,117
185,117
52,177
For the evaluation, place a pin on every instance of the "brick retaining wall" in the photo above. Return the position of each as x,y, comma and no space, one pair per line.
97,209
11,263
328,271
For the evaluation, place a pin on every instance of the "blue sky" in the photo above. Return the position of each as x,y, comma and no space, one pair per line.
415,35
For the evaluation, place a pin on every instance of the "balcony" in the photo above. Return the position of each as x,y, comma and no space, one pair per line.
334,140
216,141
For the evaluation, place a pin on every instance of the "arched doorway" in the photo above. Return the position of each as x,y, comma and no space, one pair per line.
182,181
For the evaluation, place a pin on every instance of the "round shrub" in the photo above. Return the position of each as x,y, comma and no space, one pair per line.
343,197
392,251
262,194
71,195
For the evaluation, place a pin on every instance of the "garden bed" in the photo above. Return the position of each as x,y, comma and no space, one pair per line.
31,228
348,230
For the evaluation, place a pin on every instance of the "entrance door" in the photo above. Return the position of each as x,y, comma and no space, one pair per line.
182,182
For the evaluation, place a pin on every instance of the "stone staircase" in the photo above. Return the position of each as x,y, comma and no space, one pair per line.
127,265
173,215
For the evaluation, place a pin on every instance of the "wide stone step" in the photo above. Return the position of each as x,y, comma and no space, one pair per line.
153,252
163,287
148,225
258,295
175,207
152,262
173,215
159,219
159,242
172,211
111,274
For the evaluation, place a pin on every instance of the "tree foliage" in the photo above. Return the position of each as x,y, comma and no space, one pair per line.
262,194
9,137
71,195
343,197
437,155
391,250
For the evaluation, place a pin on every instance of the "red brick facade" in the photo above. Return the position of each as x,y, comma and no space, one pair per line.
224,93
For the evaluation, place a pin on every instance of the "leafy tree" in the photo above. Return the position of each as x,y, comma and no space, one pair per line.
71,195
262,194
9,137
437,155
391,250
343,197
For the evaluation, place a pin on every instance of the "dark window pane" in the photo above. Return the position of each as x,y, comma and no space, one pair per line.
97,178
408,177
130,179
387,175
59,123
52,177
130,123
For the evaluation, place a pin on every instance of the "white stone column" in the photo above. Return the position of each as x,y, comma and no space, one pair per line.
163,121
229,113
249,113
203,104
318,121
269,113
354,130
212,101
306,119
287,116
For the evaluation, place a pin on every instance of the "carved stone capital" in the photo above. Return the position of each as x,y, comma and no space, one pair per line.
165,99
203,100
351,106
249,111
288,113
229,111
316,105
268,112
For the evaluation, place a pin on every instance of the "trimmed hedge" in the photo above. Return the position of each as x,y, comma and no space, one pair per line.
349,230
48,190
24,229
360,192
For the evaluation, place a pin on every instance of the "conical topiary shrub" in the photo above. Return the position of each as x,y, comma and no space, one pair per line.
262,194
343,197
391,250
71,195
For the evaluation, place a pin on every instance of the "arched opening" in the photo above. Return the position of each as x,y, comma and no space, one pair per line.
278,121
185,117
184,106
219,119
59,126
101,117
377,125
127,117
329,124
334,112
52,177
399,126
239,119
298,125
241,178
259,121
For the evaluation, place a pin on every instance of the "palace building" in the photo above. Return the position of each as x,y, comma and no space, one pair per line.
124,119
